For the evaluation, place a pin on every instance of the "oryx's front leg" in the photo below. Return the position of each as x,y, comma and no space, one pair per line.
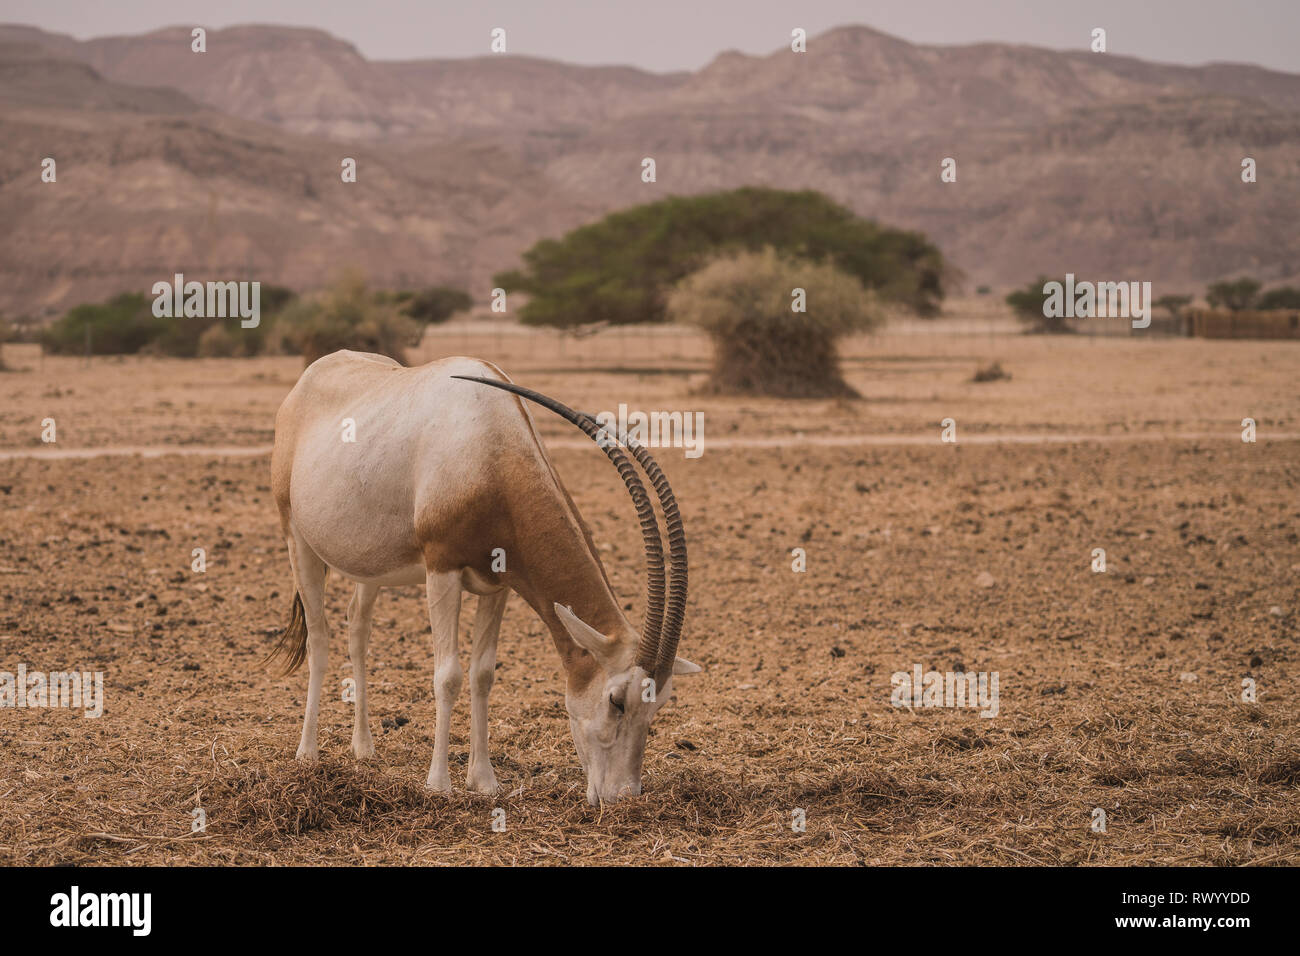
444,618
482,670
309,573
360,618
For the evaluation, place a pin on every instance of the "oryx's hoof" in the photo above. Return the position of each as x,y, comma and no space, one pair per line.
481,780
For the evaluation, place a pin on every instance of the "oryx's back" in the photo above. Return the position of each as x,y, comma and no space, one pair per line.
370,453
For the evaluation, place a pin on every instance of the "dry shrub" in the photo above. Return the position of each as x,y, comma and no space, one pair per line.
991,373
218,342
349,316
761,345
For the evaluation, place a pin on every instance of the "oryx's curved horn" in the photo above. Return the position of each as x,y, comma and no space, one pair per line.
675,613
649,645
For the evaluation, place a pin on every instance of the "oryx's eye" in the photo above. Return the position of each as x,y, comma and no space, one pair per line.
617,705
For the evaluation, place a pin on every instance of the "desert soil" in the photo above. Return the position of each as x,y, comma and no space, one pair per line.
1120,691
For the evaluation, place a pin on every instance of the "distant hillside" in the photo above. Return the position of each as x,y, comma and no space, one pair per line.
227,163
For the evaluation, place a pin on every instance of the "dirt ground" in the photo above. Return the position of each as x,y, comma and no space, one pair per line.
1119,691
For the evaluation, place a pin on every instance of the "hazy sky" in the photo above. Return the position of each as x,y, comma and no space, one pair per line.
665,35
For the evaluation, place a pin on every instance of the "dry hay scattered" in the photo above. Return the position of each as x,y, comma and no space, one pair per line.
793,709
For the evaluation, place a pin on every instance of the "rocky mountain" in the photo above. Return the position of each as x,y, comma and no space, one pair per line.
226,164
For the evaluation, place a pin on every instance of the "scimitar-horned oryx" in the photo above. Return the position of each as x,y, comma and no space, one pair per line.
440,473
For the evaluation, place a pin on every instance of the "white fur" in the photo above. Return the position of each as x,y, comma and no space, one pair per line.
425,446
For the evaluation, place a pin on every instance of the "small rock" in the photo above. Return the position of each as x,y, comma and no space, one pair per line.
1187,677
1148,581
1256,661
985,580
1276,611
837,651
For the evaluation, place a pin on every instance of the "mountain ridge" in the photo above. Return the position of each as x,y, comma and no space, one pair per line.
1067,161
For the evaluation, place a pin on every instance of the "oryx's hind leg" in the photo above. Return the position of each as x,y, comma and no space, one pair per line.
444,618
309,573
360,618
482,669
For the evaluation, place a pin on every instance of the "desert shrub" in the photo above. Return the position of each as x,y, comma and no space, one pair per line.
1027,305
435,304
123,324
218,342
991,373
273,299
1283,297
349,316
1235,294
126,324
620,269
744,302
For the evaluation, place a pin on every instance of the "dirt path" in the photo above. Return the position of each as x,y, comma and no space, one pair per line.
778,441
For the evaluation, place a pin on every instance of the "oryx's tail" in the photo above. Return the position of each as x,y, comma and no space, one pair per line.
291,649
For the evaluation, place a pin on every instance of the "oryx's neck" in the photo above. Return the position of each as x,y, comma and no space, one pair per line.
558,565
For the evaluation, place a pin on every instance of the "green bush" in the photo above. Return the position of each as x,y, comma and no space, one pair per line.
1283,297
744,302
435,304
620,269
125,325
1236,295
1027,305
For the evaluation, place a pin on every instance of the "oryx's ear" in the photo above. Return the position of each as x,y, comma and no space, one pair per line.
584,635
682,666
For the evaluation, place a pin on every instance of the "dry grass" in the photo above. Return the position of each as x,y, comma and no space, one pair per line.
793,709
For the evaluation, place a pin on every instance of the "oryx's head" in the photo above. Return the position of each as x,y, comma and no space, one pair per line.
612,702
610,709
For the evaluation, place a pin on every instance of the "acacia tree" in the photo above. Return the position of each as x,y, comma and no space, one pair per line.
1027,305
620,269
1282,297
746,303
1235,295
435,304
